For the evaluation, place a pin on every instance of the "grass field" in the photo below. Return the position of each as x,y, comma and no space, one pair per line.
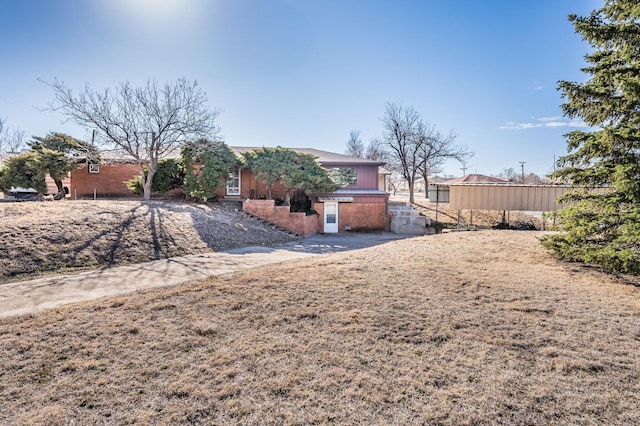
460,328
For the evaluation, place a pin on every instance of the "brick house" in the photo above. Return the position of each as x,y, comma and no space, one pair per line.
105,180
359,205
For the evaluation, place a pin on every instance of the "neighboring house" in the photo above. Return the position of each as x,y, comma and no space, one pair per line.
475,178
359,205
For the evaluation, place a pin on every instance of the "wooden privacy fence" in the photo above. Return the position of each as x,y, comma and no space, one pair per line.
540,198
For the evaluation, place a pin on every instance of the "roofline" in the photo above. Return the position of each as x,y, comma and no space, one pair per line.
345,158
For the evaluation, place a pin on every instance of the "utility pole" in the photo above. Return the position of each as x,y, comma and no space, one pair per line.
522,163
464,169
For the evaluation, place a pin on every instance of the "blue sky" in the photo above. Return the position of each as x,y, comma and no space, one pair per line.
302,73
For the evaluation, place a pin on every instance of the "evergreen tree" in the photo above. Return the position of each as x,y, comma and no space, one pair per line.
292,169
23,171
55,155
602,221
59,153
207,165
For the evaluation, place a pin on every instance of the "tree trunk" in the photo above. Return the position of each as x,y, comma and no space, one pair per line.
411,199
147,180
60,195
287,198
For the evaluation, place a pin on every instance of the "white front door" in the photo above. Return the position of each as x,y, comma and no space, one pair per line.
330,217
233,182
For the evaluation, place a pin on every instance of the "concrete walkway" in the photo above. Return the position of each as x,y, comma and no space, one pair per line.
30,296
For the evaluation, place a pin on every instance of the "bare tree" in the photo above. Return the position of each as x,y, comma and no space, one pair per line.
394,179
12,139
435,149
534,179
375,151
355,147
401,129
516,177
414,148
146,122
510,175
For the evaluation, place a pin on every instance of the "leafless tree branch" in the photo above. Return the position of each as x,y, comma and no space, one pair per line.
147,122
355,147
12,139
415,148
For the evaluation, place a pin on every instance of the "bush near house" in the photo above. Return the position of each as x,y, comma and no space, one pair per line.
294,170
202,168
169,175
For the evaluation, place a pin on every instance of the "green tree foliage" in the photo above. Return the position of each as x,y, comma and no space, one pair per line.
305,173
292,169
55,155
169,175
207,165
603,226
23,171
343,176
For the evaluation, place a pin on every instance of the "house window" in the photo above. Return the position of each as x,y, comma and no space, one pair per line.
94,168
343,176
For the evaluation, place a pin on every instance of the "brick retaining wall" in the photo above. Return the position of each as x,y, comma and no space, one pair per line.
297,222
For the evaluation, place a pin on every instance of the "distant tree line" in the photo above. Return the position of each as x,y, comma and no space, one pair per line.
530,178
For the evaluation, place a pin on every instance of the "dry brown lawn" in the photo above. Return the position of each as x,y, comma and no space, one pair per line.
44,237
459,328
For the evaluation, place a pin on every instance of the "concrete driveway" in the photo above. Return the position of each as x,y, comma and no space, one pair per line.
30,296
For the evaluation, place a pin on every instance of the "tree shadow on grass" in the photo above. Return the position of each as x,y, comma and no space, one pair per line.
118,231
141,232
106,245
162,240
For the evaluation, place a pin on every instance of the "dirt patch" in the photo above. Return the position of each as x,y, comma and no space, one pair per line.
40,238
459,328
